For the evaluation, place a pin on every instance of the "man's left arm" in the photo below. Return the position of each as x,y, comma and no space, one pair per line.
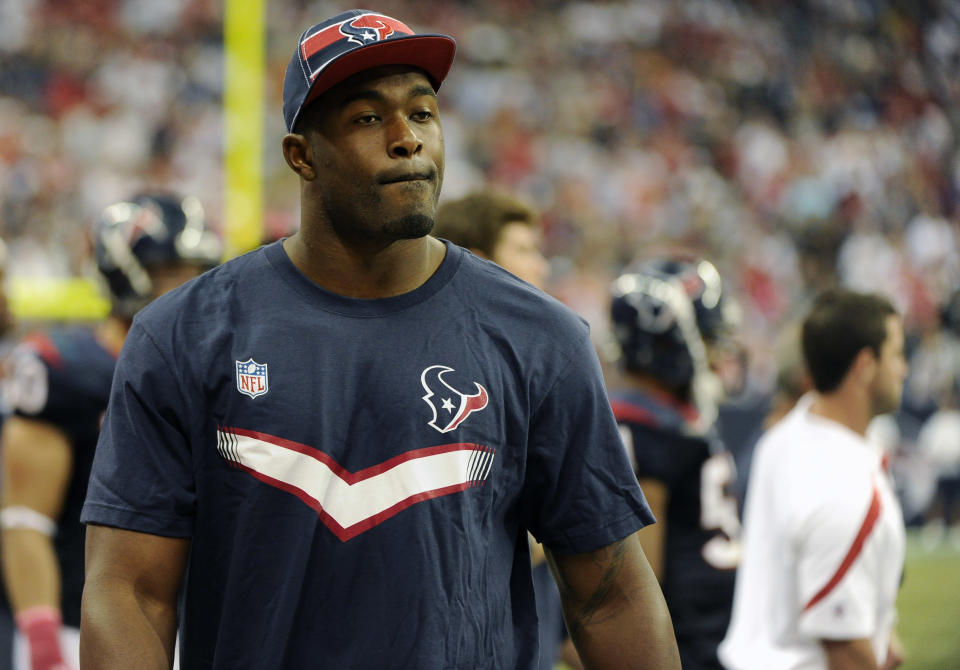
614,608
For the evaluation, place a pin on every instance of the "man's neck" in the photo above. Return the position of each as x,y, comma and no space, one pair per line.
369,272
845,407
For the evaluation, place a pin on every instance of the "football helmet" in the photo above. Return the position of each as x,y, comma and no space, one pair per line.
654,323
149,230
663,312
703,285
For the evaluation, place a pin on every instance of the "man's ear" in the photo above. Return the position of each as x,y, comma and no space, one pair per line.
865,365
297,152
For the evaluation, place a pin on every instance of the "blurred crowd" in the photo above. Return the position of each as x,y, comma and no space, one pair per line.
794,144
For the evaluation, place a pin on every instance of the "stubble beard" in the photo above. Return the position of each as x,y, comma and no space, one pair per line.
371,225
411,227
407,226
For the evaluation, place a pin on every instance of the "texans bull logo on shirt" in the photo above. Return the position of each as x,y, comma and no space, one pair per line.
450,406
350,503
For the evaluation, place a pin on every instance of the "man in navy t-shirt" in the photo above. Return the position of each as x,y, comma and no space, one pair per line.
337,443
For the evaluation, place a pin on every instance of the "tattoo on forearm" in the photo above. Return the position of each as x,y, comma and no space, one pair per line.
583,613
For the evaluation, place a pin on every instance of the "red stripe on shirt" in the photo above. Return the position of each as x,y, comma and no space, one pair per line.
624,411
873,513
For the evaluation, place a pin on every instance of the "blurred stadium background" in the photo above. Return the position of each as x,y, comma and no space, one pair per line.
795,144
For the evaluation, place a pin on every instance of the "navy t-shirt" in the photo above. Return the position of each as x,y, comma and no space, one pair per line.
357,476
702,542
62,377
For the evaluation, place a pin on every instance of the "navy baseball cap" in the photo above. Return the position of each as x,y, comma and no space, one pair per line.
353,41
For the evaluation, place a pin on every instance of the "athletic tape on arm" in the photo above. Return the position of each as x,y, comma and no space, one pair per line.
19,516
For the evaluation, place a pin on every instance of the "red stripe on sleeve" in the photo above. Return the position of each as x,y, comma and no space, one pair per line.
868,523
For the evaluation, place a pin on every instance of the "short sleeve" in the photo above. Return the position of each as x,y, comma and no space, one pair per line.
580,492
142,476
836,580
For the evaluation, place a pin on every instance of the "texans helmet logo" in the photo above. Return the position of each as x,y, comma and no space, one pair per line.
450,407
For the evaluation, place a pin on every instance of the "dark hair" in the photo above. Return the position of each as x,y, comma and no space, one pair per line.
839,325
475,221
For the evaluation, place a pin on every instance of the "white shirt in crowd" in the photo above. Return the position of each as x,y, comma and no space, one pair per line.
824,544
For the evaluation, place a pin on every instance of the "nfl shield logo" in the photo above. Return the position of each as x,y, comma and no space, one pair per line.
252,378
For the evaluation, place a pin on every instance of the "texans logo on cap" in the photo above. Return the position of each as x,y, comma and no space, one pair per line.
365,29
372,27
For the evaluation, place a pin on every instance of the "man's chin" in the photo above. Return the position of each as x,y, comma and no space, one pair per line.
412,226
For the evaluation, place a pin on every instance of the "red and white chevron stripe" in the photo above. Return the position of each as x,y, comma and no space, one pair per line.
350,503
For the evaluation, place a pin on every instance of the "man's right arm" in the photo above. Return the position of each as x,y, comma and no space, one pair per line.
614,608
129,611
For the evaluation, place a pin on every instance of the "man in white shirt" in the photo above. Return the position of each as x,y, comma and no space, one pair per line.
823,530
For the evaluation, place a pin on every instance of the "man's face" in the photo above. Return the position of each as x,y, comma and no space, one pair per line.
887,386
377,151
518,251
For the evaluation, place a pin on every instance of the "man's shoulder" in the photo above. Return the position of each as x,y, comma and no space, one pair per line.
817,440
69,351
206,294
508,296
794,434
57,367
653,413
57,346
813,469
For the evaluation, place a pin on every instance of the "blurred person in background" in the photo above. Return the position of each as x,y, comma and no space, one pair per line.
939,446
506,230
499,227
668,315
939,438
58,385
7,337
8,333
824,538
